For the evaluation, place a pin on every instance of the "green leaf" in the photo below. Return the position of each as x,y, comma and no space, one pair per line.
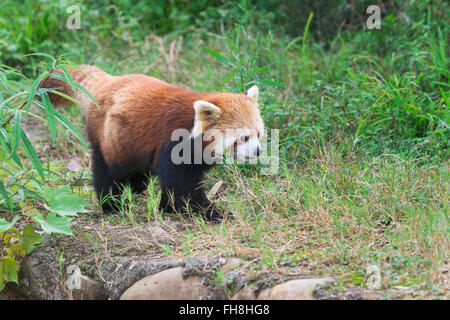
87,93
4,102
71,127
34,88
40,54
54,223
305,33
3,146
49,193
8,271
67,97
67,205
76,85
30,238
5,225
15,133
217,55
50,114
68,77
272,83
227,78
32,154
62,201
5,195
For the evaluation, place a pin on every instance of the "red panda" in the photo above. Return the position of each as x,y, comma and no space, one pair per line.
130,133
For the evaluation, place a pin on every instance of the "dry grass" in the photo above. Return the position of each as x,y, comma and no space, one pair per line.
334,215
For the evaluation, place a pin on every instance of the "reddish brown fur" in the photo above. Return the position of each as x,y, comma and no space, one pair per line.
138,113
130,132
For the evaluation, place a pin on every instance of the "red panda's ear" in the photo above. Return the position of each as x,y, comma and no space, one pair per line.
253,93
205,113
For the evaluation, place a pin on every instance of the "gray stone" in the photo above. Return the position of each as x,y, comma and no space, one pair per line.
168,285
247,293
230,264
299,289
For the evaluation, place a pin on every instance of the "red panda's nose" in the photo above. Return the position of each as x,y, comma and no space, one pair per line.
258,151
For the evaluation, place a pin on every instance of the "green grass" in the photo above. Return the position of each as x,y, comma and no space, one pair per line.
363,120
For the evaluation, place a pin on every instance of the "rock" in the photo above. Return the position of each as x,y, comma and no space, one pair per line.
247,293
230,264
120,273
9,292
264,294
90,290
134,269
39,277
168,285
300,289
82,287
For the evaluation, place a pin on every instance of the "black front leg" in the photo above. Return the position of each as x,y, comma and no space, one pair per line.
176,198
182,184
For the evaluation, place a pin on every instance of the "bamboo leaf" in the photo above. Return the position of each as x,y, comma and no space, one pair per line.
32,154
50,115
34,88
68,77
5,195
71,127
65,96
217,55
76,85
88,94
15,132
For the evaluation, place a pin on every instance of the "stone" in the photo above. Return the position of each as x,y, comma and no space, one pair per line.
264,294
247,293
81,287
39,277
90,290
168,285
299,289
230,264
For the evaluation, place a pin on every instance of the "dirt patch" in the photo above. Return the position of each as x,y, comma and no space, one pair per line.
109,260
103,260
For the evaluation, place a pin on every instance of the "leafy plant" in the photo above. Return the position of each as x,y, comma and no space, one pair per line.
27,203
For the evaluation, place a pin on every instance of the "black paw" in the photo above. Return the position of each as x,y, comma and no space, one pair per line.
110,208
213,214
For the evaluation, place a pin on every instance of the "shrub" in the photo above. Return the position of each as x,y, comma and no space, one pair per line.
27,203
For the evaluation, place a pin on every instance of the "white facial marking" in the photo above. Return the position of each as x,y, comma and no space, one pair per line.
248,150
242,144
224,144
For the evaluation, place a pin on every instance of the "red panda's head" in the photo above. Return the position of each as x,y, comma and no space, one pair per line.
232,122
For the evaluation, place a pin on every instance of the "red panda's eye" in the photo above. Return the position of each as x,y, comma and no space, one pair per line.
246,138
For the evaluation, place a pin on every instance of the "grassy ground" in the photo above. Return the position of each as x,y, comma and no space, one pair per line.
363,177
